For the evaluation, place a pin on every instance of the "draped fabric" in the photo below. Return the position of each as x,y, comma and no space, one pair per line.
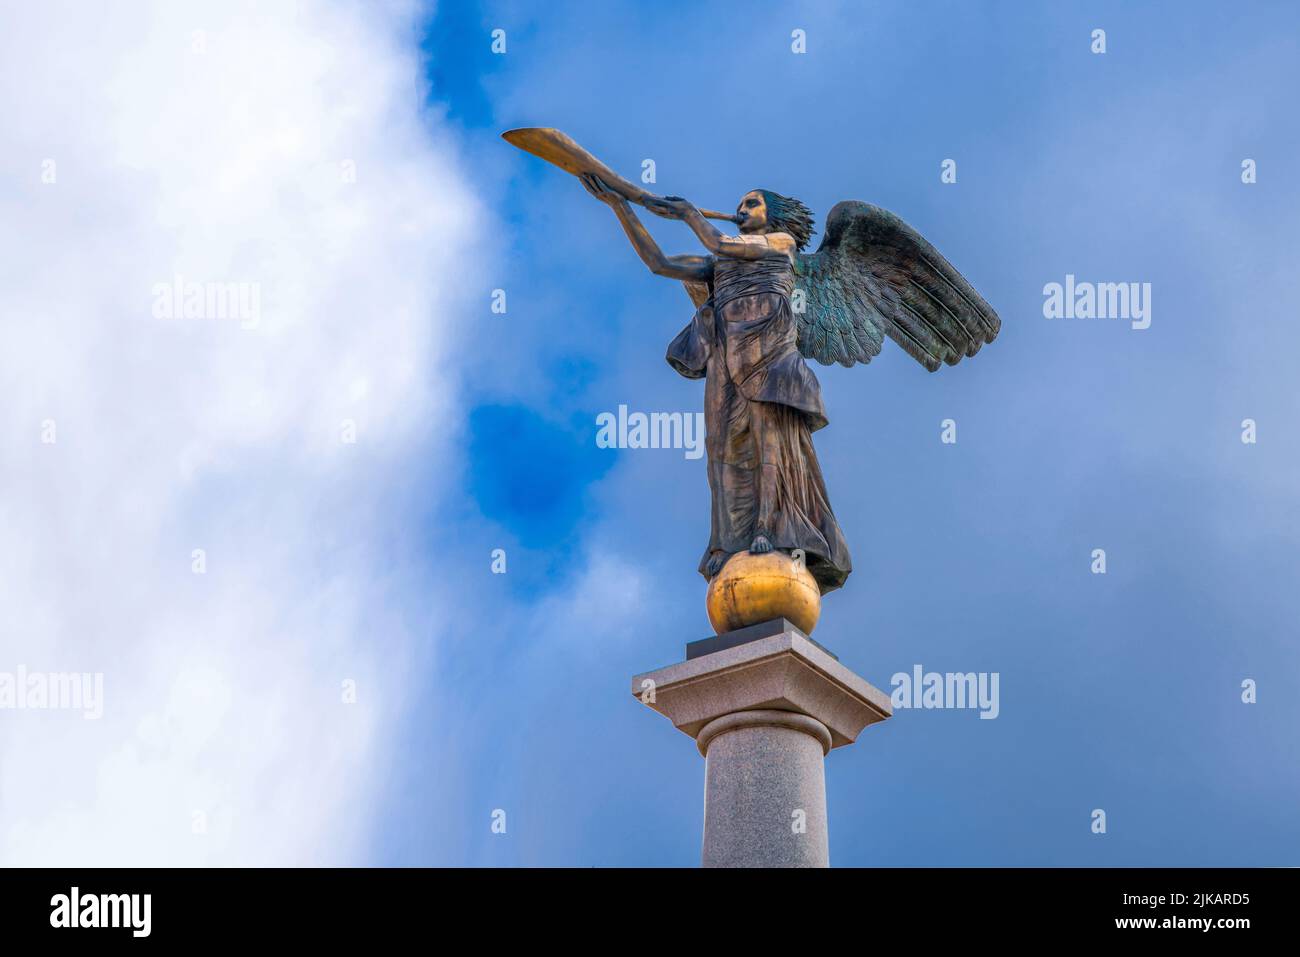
762,403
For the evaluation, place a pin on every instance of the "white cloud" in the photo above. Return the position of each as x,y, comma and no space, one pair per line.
213,141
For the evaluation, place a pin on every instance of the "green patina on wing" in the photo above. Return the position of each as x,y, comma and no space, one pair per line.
873,276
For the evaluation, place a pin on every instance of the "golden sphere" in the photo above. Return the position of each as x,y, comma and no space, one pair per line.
753,588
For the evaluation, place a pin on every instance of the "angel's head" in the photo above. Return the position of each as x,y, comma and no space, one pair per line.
763,211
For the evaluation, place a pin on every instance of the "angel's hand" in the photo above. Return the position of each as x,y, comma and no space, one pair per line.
670,207
596,187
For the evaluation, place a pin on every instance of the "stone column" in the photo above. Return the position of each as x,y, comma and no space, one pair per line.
765,705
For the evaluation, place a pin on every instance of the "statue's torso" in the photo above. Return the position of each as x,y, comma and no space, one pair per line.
743,339
737,278
756,356
751,306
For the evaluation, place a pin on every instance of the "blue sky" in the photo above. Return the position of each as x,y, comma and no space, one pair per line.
1120,691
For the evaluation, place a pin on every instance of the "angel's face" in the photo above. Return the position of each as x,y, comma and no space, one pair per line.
751,214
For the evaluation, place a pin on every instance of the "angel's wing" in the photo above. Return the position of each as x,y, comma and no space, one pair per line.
873,276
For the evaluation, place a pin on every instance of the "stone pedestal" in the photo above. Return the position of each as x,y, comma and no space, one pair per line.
764,705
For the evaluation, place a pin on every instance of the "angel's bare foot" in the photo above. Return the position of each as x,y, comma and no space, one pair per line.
760,545
716,560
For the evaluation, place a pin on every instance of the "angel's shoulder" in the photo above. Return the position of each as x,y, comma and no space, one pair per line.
783,243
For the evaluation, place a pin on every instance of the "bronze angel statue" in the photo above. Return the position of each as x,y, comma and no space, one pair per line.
763,306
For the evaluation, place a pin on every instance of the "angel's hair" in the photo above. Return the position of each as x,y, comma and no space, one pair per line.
785,214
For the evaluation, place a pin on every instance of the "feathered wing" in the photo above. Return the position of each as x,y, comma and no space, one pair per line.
873,276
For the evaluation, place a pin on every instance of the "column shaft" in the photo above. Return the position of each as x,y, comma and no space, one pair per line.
765,790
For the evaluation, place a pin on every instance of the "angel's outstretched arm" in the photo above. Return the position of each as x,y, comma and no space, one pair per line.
686,268
716,242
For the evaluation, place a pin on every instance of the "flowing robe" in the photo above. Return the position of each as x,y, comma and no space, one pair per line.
761,405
